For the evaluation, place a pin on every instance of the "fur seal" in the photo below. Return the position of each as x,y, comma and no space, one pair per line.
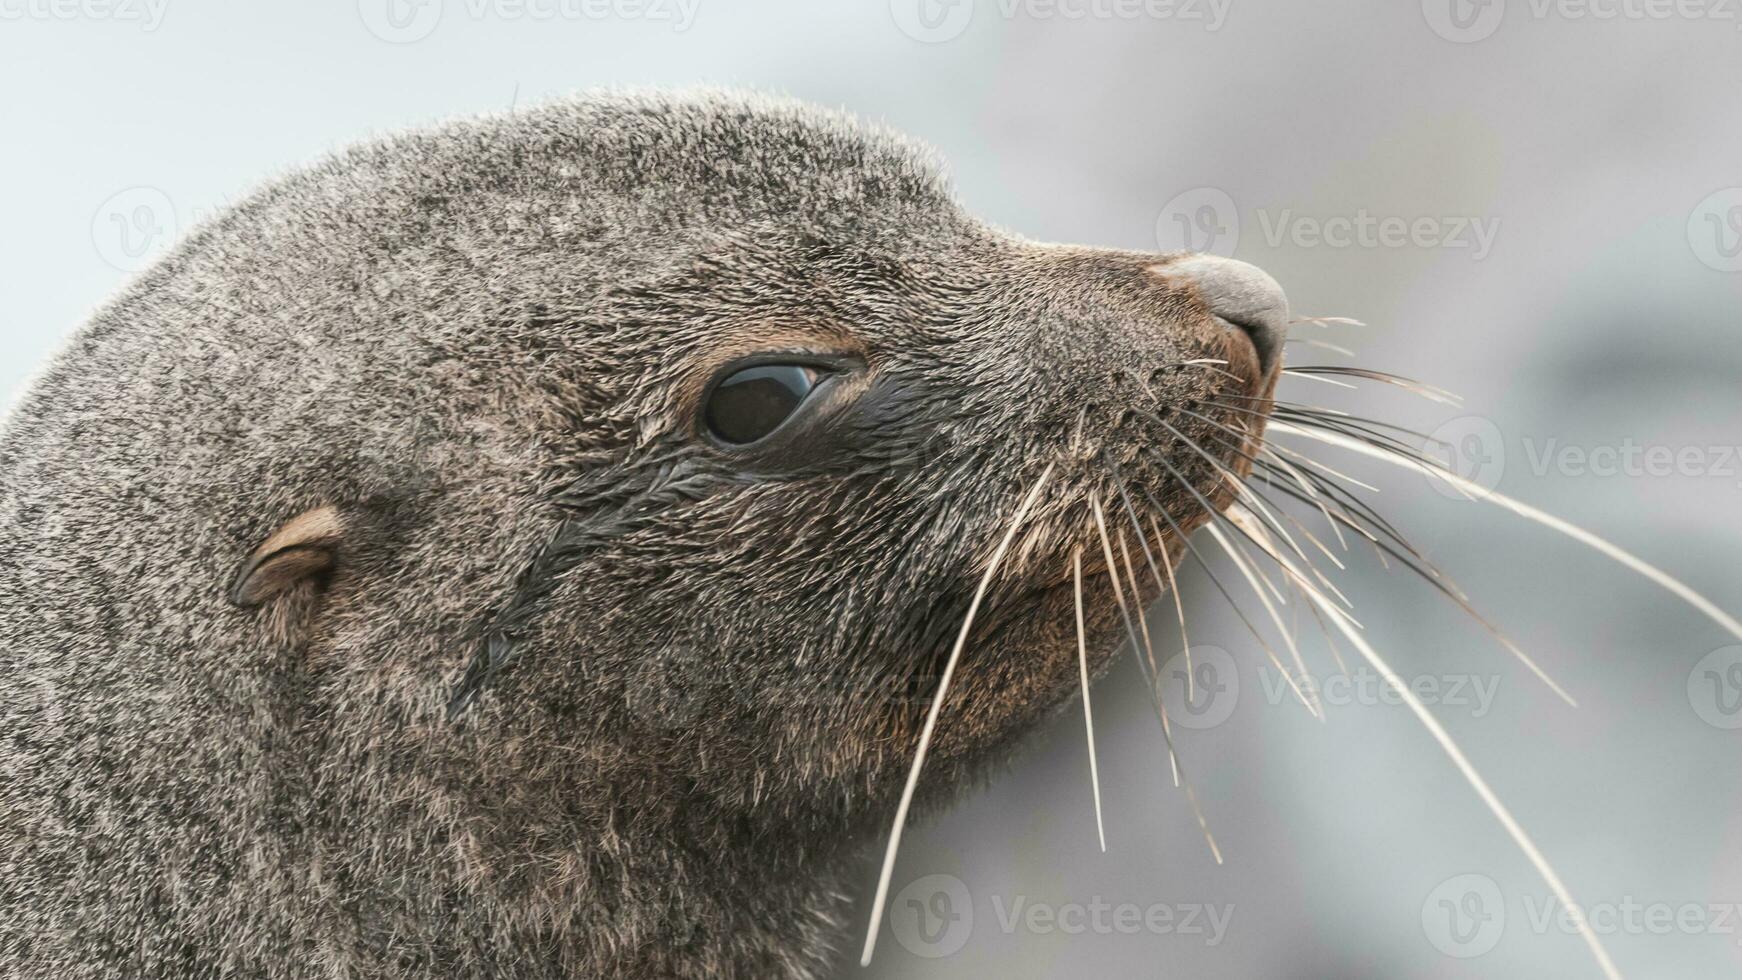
527,547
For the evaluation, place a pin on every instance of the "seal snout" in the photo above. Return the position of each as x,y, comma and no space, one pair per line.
1242,295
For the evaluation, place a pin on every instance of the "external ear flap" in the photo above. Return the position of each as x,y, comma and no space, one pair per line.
305,548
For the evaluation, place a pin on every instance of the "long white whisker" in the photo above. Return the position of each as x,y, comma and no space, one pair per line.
1571,530
1323,345
1249,525
1319,377
1440,735
1088,713
1137,605
931,718
1191,794
1287,638
1168,586
1179,606
1276,425
1179,779
1125,613
1325,321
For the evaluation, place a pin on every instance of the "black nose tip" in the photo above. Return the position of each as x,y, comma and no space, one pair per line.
1241,294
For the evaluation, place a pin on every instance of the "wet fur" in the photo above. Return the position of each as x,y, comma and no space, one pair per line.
584,696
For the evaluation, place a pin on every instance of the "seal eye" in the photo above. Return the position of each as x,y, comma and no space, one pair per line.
750,404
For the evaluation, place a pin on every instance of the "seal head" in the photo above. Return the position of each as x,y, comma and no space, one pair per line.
526,547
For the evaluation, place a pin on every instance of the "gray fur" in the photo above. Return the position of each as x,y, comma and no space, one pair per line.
585,696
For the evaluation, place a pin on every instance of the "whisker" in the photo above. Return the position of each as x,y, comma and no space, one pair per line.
1125,614
1217,582
1253,529
1321,378
1321,345
1469,772
1442,583
1317,710
1254,495
931,718
1349,424
1476,490
1179,779
1239,486
1137,606
1326,321
1327,470
1289,469
1113,573
1430,392
1088,713
1312,495
1303,410
1171,587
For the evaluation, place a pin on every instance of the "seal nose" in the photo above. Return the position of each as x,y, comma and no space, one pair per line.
1241,294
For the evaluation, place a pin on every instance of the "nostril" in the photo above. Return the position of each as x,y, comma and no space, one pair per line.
1264,336
1241,294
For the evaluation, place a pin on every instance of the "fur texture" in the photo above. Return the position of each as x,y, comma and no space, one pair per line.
585,694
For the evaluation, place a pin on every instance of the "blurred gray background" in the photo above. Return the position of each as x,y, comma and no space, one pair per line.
1535,205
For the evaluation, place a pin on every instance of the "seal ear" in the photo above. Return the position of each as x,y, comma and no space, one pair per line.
305,548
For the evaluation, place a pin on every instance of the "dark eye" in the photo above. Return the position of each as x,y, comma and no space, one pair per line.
752,403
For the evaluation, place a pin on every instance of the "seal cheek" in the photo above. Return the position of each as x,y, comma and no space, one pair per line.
306,548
